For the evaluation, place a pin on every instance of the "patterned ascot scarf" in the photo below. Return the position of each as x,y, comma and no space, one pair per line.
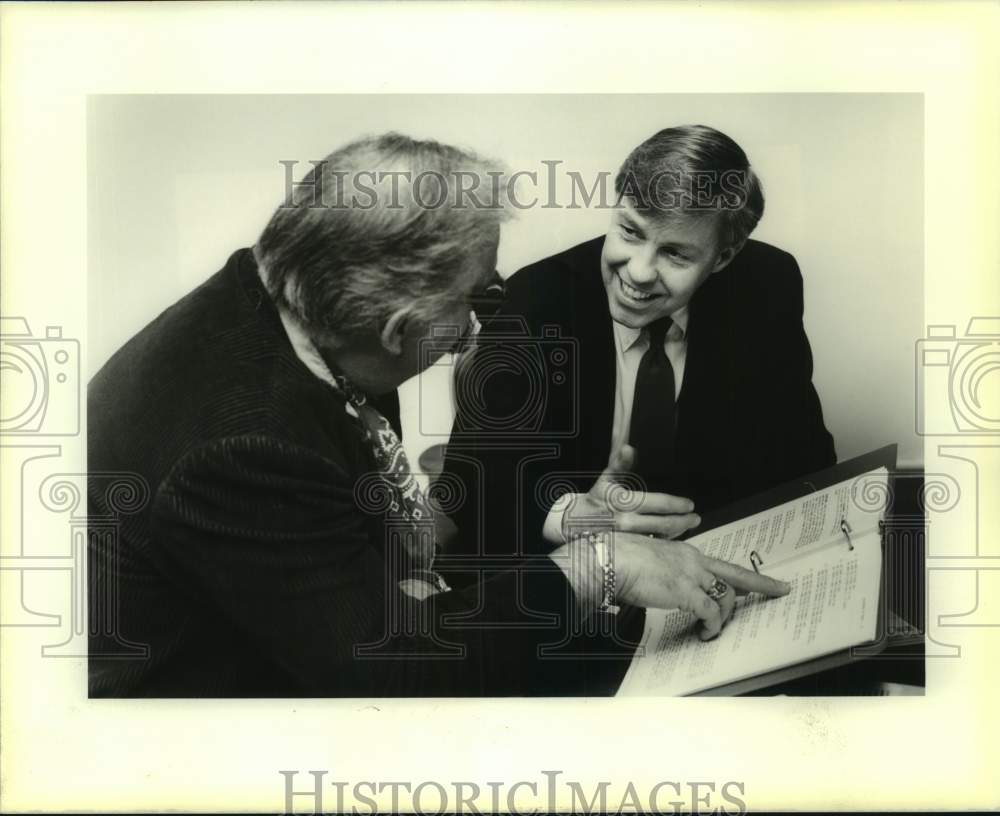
407,501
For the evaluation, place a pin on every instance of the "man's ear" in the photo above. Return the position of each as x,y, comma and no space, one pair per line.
394,331
727,255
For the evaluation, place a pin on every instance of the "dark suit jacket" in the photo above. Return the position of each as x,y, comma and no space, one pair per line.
536,399
253,569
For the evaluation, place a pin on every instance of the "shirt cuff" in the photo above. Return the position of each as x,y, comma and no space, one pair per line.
553,526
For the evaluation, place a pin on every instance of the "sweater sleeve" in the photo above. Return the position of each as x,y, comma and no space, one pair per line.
271,535
267,533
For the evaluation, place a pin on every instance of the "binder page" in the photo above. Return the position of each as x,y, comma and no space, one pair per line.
799,525
832,605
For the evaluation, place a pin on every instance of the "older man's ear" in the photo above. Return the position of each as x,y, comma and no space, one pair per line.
394,331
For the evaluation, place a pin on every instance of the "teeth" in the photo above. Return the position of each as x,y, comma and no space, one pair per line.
634,293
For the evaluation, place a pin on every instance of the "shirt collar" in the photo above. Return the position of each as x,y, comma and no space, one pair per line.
626,337
302,345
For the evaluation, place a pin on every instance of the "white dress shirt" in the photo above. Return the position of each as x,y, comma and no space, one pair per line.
630,345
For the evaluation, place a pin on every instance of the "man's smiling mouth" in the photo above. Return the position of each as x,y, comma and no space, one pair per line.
633,294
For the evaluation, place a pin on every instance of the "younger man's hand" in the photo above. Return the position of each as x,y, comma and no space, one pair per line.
612,500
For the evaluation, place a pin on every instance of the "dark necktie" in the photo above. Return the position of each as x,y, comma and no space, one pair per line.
651,431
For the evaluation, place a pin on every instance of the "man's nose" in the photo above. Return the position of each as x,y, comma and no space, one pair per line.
642,268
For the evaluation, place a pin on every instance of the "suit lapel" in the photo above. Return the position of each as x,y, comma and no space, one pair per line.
595,399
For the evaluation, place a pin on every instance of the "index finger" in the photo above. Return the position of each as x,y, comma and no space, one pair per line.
740,578
663,504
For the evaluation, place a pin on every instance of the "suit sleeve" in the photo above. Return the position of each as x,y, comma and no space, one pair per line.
499,446
271,536
793,415
494,453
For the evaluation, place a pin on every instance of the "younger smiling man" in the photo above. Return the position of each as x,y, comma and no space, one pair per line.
692,366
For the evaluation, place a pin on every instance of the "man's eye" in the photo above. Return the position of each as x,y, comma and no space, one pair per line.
631,233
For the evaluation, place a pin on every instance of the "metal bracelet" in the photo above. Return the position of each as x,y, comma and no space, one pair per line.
606,561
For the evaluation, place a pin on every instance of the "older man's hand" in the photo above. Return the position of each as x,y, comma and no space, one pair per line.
653,573
668,574
614,499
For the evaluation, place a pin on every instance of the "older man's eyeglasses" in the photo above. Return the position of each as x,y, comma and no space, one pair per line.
484,304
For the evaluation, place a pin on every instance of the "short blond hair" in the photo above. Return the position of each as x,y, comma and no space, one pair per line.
694,170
